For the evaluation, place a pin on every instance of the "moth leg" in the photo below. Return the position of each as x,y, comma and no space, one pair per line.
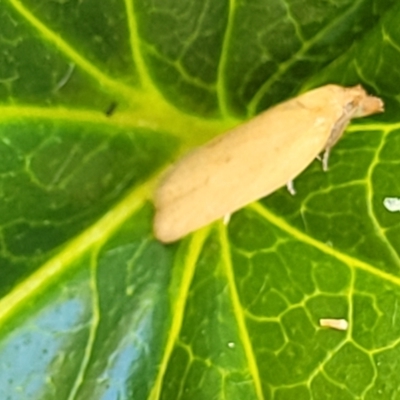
325,159
226,219
290,188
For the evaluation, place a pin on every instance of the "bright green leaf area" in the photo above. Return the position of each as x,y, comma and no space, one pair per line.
97,99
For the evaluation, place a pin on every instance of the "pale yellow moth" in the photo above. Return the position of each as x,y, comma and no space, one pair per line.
340,324
255,159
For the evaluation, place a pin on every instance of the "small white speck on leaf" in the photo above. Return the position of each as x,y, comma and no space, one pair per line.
392,204
340,324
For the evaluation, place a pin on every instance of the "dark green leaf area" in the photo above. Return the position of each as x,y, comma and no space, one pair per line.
98,31
34,71
183,91
269,48
274,46
300,353
377,316
331,277
101,315
290,268
285,287
388,370
209,348
182,42
59,178
352,367
48,337
344,206
372,60
299,392
347,227
386,184
324,388
132,304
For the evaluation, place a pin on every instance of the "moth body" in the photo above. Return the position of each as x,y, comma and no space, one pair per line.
256,158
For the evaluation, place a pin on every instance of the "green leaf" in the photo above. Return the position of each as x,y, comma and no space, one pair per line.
97,98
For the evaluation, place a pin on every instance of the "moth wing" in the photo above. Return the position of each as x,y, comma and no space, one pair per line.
243,165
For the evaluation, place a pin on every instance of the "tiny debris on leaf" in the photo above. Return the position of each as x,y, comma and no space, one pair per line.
340,324
392,204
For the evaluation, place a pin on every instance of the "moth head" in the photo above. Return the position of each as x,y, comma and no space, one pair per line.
361,104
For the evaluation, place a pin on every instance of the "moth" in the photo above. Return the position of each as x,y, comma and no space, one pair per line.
256,158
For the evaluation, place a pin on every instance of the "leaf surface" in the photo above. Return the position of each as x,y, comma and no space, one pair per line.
96,100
